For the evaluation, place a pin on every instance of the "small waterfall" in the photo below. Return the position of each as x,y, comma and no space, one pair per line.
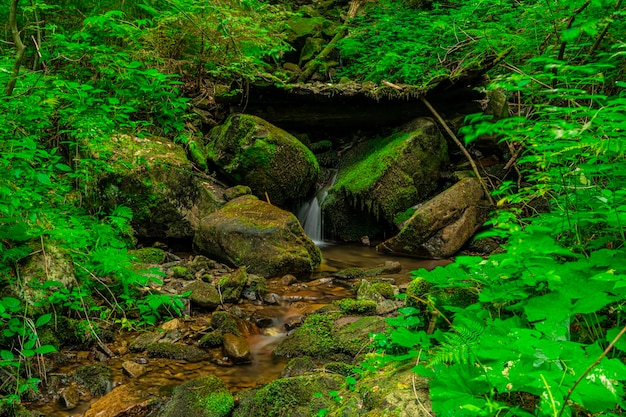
310,213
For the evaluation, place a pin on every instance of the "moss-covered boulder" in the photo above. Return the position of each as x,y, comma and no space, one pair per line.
265,239
384,177
250,151
203,295
153,177
95,378
330,336
50,264
299,396
231,286
203,397
440,227
148,255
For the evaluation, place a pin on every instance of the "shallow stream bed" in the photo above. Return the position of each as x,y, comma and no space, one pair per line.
297,300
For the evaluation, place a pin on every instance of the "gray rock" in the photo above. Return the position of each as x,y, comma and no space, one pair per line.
440,227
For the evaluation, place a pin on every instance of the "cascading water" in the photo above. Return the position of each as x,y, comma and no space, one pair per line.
310,213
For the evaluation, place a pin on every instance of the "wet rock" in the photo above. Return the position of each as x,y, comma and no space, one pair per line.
143,340
203,397
298,366
69,397
272,298
252,233
250,151
231,286
382,177
264,318
329,336
386,307
440,227
299,395
133,369
176,351
236,348
293,321
227,323
95,378
212,339
288,279
124,401
255,288
236,191
367,291
203,295
390,267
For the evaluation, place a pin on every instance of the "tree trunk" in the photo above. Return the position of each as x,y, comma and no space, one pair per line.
314,64
19,49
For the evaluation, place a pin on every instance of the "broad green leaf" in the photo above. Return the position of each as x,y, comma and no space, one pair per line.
43,319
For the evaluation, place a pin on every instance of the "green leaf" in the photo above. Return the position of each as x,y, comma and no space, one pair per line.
43,178
7,355
43,319
44,349
63,167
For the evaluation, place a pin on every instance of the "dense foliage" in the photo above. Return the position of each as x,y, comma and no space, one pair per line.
542,334
537,328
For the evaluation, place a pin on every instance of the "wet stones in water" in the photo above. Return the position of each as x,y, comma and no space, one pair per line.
133,369
175,351
236,348
94,378
69,397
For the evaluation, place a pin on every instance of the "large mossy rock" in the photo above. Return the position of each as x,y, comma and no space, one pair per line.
442,225
290,397
384,177
330,336
250,151
153,177
265,239
203,397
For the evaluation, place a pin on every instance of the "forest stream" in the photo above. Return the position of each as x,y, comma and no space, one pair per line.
297,300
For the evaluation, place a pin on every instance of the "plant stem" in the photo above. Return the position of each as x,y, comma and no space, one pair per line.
593,365
19,49
461,147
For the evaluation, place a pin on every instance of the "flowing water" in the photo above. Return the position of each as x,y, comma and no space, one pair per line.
310,213
297,300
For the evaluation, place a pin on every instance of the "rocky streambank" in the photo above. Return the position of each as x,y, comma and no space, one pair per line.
246,346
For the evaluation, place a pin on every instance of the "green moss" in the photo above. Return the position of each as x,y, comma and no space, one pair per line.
148,255
385,289
212,339
350,273
418,288
181,272
376,157
96,378
289,397
360,307
221,320
203,397
340,368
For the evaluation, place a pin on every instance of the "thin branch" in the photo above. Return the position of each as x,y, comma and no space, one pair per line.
461,147
593,365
